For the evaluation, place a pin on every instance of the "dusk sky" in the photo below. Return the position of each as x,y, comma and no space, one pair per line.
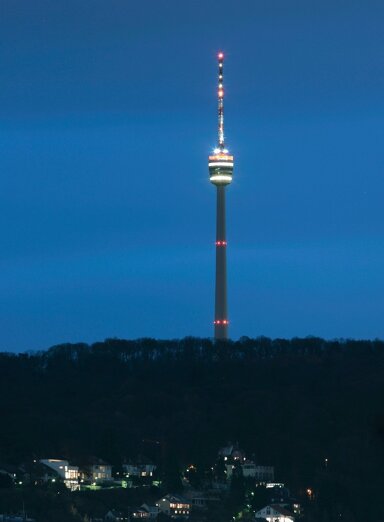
108,114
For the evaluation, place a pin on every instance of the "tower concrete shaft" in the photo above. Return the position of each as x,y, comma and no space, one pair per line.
220,165
221,304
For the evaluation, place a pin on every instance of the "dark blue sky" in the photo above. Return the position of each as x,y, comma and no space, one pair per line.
108,114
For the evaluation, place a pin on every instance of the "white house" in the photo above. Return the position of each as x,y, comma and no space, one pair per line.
252,470
70,474
262,473
275,513
174,506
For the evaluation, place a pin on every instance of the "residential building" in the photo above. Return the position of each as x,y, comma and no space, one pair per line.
146,512
140,514
101,472
142,467
252,470
275,513
70,474
200,500
278,494
260,473
174,506
116,516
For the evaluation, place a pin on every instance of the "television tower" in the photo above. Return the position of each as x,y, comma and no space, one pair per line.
220,165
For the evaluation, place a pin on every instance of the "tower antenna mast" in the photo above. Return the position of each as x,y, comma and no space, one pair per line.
220,165
220,96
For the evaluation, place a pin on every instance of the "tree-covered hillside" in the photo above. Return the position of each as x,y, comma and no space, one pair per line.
290,403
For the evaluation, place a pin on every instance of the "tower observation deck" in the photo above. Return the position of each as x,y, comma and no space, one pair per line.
220,165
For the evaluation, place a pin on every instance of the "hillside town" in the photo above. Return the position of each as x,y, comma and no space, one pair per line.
169,408
233,480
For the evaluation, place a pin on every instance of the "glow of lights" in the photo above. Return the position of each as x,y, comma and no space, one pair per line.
220,56
221,94
224,162
221,177
221,156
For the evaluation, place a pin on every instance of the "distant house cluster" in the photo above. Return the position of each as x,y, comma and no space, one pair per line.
233,457
198,496
282,507
173,506
94,475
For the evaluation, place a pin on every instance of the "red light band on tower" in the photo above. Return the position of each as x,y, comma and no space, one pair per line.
221,243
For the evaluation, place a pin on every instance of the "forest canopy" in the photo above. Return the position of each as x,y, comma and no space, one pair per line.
289,403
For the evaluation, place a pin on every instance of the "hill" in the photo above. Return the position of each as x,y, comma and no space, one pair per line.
312,408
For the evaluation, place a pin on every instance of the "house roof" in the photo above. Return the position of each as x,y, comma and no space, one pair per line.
149,508
8,468
175,498
226,451
95,461
140,460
